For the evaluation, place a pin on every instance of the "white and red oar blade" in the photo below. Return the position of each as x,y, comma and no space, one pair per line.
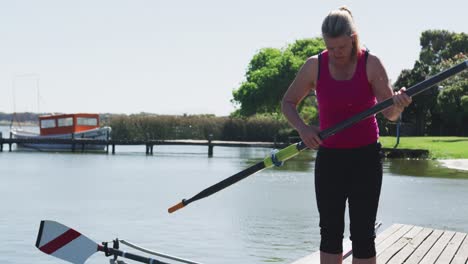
65,243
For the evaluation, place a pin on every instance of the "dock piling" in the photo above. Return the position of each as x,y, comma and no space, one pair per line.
210,146
9,144
9,147
82,145
107,142
73,142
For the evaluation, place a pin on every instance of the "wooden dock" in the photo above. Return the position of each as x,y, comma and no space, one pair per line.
78,144
412,244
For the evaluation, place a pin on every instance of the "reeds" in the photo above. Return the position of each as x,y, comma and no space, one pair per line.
161,127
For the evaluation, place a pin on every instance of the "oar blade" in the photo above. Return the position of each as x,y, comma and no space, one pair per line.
64,243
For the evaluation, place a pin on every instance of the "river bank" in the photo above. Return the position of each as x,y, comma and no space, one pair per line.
440,148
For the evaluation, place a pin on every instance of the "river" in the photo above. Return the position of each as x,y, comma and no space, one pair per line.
268,217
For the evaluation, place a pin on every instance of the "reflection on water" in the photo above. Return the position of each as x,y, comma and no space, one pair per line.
423,168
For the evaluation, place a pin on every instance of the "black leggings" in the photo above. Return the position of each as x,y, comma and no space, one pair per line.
354,175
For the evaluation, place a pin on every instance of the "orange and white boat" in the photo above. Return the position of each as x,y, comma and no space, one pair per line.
65,126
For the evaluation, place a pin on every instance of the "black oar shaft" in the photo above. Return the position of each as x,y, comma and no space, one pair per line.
413,90
131,256
127,243
227,182
220,185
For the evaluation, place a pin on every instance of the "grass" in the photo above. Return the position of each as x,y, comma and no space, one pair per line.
439,147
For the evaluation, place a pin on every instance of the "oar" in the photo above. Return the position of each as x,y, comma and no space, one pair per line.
68,244
295,149
152,252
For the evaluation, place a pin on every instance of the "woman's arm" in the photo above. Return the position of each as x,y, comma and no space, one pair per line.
382,88
303,84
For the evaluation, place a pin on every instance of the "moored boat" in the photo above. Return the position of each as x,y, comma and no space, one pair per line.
65,126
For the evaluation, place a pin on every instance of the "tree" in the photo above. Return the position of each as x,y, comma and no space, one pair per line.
419,112
440,45
269,74
452,101
438,49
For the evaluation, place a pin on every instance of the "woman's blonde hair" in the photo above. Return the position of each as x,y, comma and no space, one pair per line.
340,22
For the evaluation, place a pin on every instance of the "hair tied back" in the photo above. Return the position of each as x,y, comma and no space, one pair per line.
346,9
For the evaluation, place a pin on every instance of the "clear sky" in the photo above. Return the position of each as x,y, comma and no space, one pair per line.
175,57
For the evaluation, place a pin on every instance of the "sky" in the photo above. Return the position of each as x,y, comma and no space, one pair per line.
179,57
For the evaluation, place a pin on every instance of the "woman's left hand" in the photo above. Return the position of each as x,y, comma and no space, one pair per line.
401,99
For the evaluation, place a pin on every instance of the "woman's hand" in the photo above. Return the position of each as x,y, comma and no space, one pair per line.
310,136
401,99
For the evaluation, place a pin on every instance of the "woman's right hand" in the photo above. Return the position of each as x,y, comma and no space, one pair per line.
310,136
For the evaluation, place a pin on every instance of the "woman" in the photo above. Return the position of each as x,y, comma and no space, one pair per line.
347,80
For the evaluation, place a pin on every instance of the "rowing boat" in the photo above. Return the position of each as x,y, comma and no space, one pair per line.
65,243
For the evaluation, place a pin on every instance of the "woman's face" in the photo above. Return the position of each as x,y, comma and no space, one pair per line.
340,48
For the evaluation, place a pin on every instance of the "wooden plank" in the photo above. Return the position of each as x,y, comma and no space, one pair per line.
452,247
461,257
432,256
410,247
387,254
387,233
315,257
422,250
393,238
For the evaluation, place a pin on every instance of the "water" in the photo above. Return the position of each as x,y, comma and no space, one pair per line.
268,217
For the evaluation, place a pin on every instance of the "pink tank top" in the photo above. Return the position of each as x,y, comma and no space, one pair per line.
340,100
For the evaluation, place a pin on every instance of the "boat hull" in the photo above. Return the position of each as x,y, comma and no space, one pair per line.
102,133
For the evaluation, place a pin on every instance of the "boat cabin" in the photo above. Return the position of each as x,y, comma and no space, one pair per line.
67,123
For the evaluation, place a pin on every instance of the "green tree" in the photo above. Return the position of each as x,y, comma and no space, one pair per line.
269,74
452,101
440,45
438,49
419,112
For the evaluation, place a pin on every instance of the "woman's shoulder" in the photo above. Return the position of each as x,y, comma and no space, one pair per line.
373,60
308,71
311,62
375,68
313,59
